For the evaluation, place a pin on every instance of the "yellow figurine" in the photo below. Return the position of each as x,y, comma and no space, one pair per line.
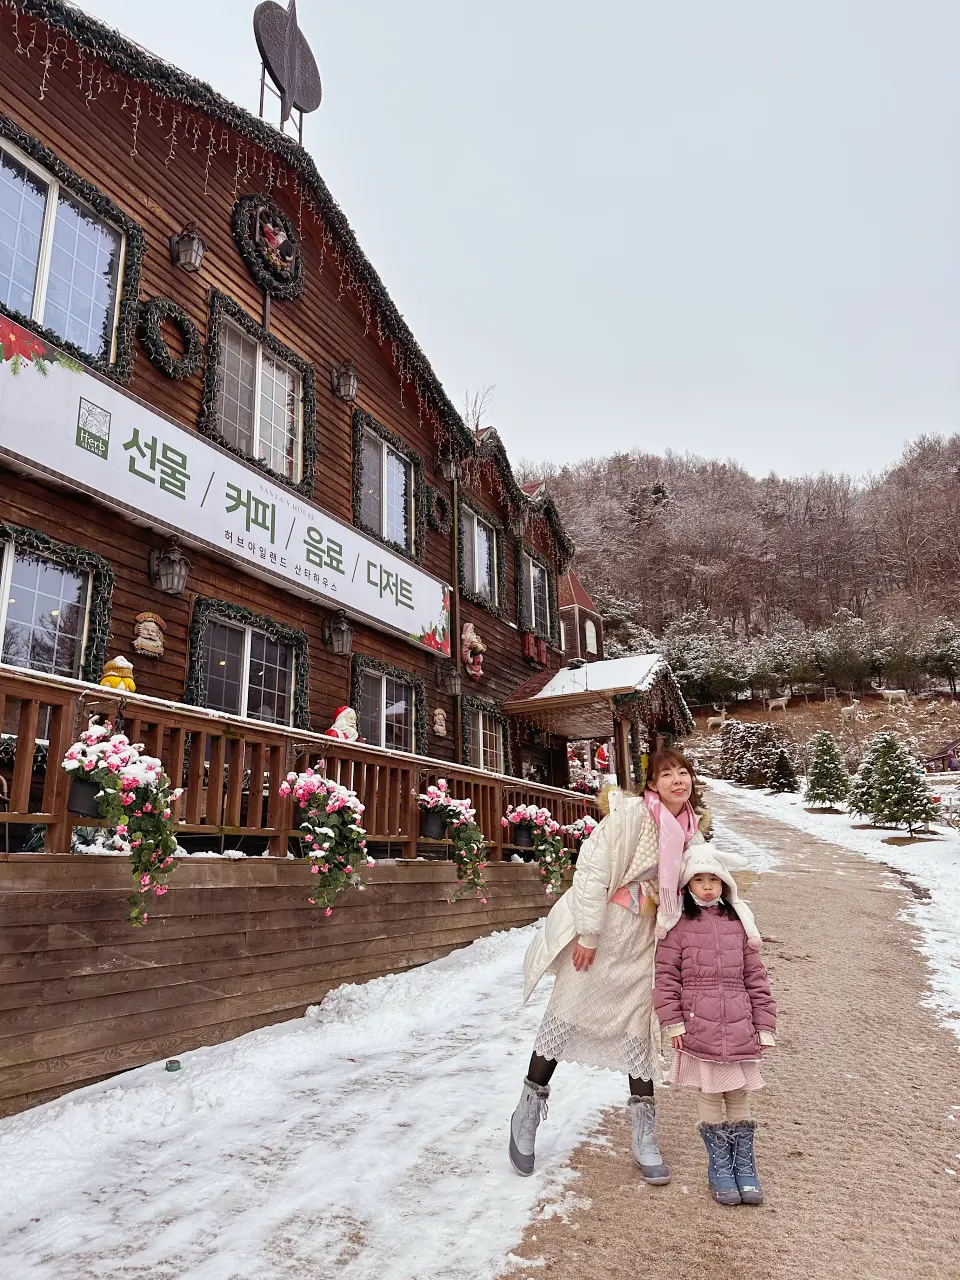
118,674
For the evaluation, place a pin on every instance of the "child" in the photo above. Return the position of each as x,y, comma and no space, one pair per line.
713,999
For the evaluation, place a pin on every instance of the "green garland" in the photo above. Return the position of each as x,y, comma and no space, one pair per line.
265,274
153,313
661,706
360,664
222,308
498,610
524,621
364,422
439,511
121,370
206,608
491,448
468,702
37,546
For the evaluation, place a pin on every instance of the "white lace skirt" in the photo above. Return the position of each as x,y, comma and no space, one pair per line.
605,1017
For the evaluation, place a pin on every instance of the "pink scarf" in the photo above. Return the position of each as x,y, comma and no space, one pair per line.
675,834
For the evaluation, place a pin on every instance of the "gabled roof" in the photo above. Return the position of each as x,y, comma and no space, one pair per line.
570,590
489,448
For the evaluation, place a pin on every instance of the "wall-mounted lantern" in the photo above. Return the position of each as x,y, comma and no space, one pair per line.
338,633
448,464
344,382
169,568
187,249
448,679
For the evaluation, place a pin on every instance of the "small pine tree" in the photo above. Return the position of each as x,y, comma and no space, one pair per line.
828,782
862,789
901,796
783,776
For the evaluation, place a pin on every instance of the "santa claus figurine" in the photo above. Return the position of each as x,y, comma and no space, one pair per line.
344,725
603,758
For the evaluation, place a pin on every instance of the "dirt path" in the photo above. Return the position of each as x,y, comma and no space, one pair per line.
859,1122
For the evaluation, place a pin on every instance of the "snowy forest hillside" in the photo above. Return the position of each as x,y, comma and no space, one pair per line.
821,577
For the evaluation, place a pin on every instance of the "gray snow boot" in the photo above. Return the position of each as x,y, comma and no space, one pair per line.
721,1146
645,1149
531,1109
744,1162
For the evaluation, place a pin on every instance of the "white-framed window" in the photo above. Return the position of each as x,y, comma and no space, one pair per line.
260,406
386,712
479,556
563,636
386,500
590,636
536,595
43,613
486,741
247,673
60,262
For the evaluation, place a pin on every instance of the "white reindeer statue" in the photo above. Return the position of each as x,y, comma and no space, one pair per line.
717,722
890,696
850,713
779,704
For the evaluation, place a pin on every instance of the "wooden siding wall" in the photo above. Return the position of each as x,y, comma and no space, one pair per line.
324,326
233,946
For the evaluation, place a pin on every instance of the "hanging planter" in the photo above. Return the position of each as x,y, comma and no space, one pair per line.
441,812
433,824
83,798
537,828
523,835
335,842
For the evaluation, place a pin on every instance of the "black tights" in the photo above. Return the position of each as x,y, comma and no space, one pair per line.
541,1071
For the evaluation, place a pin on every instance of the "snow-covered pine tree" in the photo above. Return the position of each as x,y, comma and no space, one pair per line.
783,776
901,796
862,790
828,782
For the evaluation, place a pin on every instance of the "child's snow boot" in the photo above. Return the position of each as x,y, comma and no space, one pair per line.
531,1109
645,1149
744,1162
721,1146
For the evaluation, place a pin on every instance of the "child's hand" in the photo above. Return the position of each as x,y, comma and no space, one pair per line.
583,957
677,1042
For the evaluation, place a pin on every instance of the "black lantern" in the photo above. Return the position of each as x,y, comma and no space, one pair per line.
448,465
344,382
169,568
448,679
338,634
187,249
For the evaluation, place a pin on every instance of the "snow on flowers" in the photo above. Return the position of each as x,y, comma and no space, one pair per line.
466,837
335,841
548,845
135,798
581,828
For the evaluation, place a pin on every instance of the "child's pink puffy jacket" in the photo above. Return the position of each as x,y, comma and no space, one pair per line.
714,986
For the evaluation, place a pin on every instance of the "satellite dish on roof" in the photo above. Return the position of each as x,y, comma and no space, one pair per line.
286,55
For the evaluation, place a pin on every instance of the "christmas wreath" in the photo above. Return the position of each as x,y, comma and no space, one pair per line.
153,314
268,245
439,511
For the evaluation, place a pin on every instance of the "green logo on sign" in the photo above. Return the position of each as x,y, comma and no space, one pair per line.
93,428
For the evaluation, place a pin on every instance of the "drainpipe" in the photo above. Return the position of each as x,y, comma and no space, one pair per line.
455,619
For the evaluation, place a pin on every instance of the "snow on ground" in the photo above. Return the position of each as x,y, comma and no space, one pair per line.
365,1140
932,865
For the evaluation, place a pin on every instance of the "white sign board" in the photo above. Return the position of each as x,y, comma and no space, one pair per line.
63,420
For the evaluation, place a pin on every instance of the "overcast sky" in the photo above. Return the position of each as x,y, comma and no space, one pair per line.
725,226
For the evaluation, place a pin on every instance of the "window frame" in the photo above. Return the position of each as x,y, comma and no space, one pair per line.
365,424
224,311
588,625
247,630
382,678
470,704
229,325
525,592
117,363
361,665
9,553
497,607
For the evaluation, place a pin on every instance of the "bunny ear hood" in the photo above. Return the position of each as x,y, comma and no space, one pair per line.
702,859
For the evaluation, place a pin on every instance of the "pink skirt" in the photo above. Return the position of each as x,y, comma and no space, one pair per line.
713,1077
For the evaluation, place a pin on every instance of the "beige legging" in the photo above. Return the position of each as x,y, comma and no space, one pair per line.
710,1106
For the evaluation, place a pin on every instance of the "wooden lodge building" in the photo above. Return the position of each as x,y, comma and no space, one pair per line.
224,457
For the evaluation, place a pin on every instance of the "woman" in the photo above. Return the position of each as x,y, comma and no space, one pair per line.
600,939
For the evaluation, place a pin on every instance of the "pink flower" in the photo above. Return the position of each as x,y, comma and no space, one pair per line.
329,911
483,900
160,890
314,870
88,765
122,829
166,813
126,799
148,808
312,901
348,871
145,917
144,880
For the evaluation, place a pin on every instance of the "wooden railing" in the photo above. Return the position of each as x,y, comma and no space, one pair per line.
231,770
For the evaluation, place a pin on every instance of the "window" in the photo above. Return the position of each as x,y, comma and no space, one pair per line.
59,262
43,614
479,556
590,635
486,741
563,636
386,711
536,596
386,499
260,409
247,673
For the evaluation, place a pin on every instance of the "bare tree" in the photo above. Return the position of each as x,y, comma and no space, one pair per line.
476,407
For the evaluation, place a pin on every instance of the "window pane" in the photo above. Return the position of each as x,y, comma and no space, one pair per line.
486,582
476,742
279,440
590,635
372,472
238,386
492,735
84,273
541,611
371,702
469,551
223,666
270,680
397,527
46,613
398,715
22,201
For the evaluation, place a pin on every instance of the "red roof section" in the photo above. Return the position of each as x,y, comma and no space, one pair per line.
532,489
570,590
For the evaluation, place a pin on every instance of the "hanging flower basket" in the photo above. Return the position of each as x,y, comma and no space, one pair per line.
580,829
336,843
523,835
83,798
440,811
433,824
537,828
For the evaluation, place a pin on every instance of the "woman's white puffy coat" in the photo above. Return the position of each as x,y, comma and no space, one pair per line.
624,846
